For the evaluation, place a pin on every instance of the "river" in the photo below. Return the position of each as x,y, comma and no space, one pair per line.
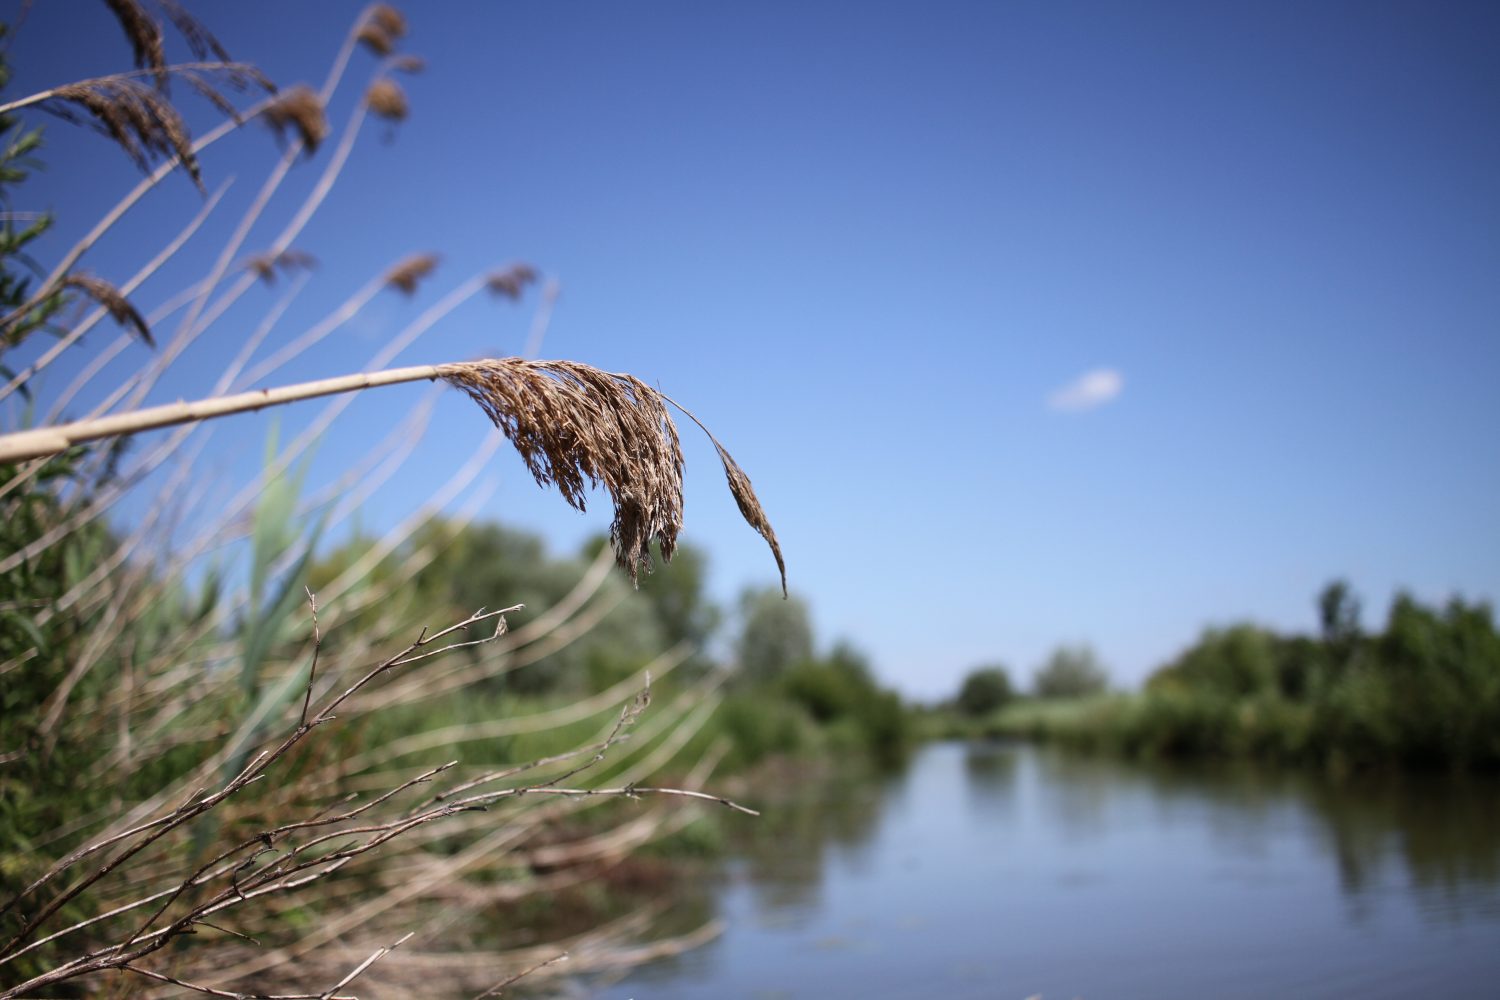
1015,872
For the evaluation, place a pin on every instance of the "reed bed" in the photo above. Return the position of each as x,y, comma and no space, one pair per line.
204,795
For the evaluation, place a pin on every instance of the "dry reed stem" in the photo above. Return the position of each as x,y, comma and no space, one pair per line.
76,252
575,427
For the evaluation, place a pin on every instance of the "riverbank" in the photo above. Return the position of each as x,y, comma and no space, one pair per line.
1422,693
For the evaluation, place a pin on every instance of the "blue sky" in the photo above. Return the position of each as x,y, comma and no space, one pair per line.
1032,323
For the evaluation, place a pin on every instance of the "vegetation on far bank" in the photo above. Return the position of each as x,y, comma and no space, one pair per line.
1423,691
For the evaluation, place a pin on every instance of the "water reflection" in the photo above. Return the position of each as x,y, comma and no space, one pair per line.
993,870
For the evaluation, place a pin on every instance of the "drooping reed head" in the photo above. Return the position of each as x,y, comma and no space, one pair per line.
266,265
300,109
405,275
110,297
144,35
387,100
510,281
140,121
381,29
576,426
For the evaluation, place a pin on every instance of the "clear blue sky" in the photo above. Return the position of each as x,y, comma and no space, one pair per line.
876,246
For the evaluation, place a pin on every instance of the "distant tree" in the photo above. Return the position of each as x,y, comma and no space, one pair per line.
985,690
488,564
775,634
1070,672
1338,615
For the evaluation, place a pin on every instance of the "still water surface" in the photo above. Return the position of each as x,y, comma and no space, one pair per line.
1011,871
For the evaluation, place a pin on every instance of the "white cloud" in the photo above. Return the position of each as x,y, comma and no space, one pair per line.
1087,391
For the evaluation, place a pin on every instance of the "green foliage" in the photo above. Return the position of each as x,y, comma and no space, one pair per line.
775,633
1070,672
490,565
18,147
676,595
1425,692
984,690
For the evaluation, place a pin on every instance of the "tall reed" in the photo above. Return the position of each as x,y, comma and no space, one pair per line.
202,795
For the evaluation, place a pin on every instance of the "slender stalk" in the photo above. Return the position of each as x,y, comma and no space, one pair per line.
54,440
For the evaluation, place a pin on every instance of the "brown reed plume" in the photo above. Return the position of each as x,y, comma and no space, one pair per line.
575,427
749,504
140,121
108,296
266,265
511,281
387,100
144,34
405,275
300,109
380,31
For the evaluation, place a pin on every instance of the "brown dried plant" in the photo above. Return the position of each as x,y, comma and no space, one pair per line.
577,427
108,296
300,109
387,100
382,28
140,121
144,34
511,281
139,862
405,275
266,265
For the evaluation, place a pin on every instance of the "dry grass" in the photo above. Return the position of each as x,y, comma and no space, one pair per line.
183,857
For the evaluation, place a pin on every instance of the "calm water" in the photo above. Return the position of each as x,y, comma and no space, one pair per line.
993,871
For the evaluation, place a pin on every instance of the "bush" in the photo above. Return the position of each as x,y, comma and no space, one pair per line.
984,690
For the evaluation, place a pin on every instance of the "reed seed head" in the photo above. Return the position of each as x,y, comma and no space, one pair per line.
144,34
511,281
750,508
139,119
576,427
108,296
300,109
381,29
266,265
405,275
387,100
